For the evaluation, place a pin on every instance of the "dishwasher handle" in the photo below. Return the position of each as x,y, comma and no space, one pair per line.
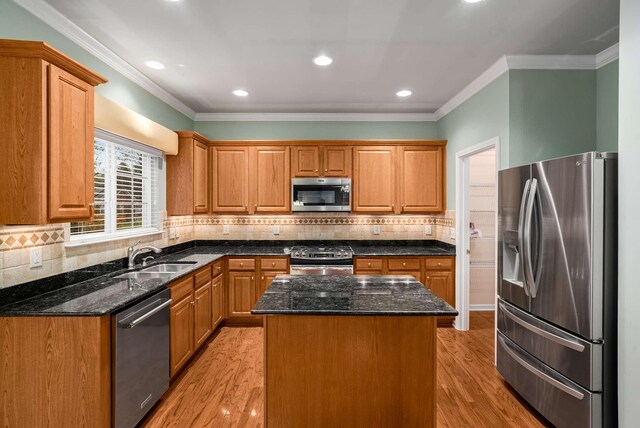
140,319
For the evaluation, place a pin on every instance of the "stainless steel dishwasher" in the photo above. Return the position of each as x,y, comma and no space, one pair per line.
140,337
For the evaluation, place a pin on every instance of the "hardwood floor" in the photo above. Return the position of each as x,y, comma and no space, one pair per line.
222,386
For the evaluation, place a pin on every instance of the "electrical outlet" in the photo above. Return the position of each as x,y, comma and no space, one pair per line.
276,229
225,229
428,230
452,232
376,229
172,234
35,257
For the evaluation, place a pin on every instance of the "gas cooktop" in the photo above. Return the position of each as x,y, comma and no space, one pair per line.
321,253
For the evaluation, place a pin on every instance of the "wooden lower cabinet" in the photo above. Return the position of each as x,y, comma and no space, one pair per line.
203,325
437,273
217,296
195,312
182,347
247,279
241,286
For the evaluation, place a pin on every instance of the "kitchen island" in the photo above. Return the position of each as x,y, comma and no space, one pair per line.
354,350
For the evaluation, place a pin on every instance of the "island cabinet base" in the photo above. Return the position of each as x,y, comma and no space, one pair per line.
55,371
350,371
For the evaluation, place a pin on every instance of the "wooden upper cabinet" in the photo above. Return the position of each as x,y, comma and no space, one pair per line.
336,161
305,161
421,179
374,175
270,181
47,128
230,179
321,161
188,176
71,164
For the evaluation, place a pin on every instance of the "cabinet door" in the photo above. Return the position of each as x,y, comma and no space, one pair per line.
230,179
374,177
241,293
442,284
336,161
200,178
216,300
71,164
270,182
203,317
421,179
305,161
181,319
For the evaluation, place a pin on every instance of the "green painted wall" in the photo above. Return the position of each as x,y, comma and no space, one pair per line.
607,107
551,113
316,130
17,23
483,116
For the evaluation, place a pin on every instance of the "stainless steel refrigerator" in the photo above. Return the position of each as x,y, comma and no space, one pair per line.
557,287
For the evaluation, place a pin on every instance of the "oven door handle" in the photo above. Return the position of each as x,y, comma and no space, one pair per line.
147,315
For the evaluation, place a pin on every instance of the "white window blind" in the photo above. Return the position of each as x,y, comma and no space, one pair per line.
125,194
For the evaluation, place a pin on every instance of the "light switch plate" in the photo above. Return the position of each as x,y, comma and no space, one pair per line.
225,229
428,230
376,229
276,229
35,257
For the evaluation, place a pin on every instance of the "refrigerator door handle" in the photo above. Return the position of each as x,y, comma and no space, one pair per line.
528,266
545,377
532,328
521,249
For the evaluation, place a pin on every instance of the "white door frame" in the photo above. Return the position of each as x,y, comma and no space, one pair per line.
462,226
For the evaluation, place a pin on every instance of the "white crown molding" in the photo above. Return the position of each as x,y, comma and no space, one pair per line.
491,74
608,55
315,117
62,24
551,62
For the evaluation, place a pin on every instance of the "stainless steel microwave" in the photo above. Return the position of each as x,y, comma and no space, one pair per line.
321,194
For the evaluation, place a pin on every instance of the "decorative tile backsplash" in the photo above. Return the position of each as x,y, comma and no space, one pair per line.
16,241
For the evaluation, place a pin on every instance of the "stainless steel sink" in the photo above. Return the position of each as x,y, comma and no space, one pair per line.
143,276
167,268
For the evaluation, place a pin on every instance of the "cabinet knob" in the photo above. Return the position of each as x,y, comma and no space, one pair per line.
369,264
241,264
326,170
193,303
273,264
439,264
316,170
263,277
404,263
428,278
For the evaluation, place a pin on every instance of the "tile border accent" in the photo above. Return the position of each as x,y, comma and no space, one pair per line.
14,240
307,220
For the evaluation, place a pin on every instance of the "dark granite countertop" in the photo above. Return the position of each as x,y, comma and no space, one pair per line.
104,294
350,295
95,291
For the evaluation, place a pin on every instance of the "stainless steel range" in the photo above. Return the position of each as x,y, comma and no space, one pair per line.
317,260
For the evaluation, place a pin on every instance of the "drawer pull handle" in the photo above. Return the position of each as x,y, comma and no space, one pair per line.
555,338
545,377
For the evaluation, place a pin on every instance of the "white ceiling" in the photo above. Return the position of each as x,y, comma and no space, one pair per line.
433,47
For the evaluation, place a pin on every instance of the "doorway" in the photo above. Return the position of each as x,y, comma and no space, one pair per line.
476,227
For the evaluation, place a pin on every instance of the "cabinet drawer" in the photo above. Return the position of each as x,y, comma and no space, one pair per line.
369,264
274,264
242,264
180,289
202,277
439,263
404,264
217,268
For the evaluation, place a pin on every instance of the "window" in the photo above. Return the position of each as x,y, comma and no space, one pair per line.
126,195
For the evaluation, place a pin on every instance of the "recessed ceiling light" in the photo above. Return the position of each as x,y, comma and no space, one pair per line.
154,64
404,93
473,1
240,93
322,60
